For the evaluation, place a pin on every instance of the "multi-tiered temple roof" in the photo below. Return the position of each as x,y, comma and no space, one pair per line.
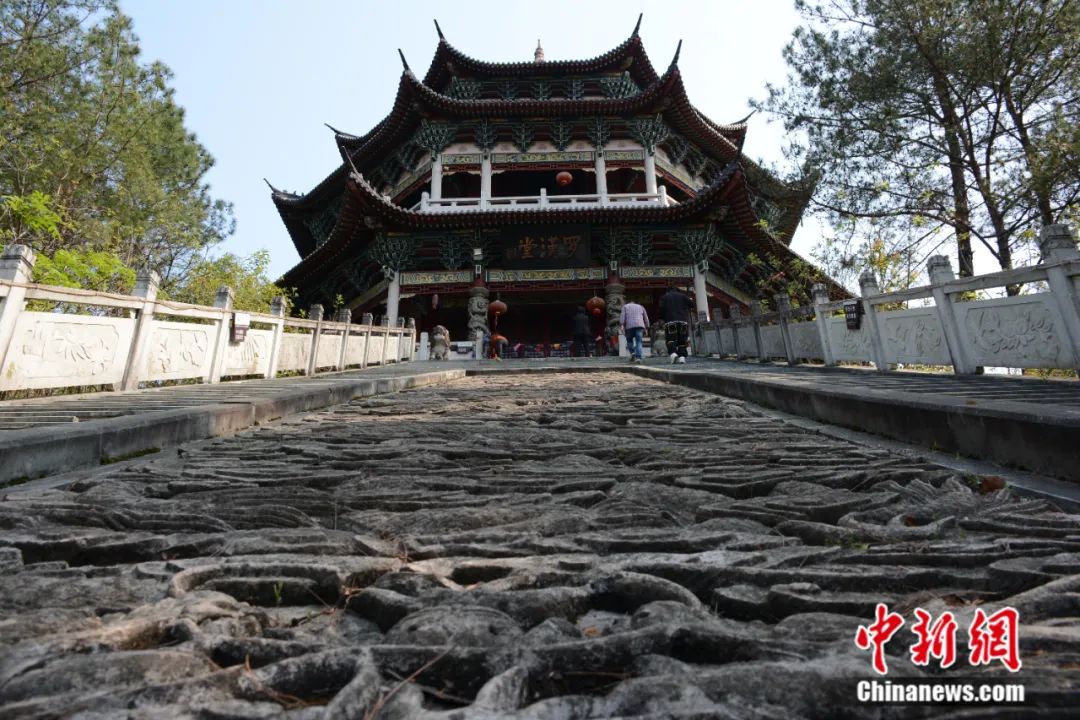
467,118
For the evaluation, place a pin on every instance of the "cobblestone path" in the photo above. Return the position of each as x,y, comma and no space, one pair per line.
541,546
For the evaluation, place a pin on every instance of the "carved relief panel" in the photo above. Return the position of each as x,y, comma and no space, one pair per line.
773,341
914,336
806,340
294,351
329,351
179,351
747,344
51,350
251,357
375,349
727,343
851,345
1020,331
354,353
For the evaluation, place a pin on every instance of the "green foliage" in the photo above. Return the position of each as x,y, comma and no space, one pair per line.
252,288
94,155
935,126
29,218
99,270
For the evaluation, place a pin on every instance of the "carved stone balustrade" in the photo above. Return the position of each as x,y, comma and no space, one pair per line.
1040,329
112,341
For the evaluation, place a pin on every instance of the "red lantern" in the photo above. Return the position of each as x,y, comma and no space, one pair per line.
596,306
564,178
498,307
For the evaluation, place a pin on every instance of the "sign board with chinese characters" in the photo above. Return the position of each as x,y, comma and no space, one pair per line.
544,248
853,311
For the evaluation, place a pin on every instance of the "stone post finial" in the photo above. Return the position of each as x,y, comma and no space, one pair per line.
384,321
411,323
367,319
277,306
783,302
343,315
868,284
1057,243
17,263
315,312
146,284
820,293
401,322
939,268
224,298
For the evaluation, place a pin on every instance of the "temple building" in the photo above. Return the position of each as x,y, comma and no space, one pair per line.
546,185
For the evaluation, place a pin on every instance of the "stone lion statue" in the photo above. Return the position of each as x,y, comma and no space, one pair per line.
440,343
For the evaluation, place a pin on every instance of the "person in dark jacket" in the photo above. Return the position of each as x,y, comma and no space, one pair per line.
582,332
675,308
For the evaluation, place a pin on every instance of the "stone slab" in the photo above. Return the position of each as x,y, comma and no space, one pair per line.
49,449
1031,436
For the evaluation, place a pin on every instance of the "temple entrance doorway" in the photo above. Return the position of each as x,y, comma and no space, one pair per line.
542,322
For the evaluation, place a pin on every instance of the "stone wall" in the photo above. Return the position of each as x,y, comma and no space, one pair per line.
94,339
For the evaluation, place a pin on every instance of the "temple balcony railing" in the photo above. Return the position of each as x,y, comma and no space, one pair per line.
428,204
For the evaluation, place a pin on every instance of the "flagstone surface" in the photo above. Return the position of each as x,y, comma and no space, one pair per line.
521,546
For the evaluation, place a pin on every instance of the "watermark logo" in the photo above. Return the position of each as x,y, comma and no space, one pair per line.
990,637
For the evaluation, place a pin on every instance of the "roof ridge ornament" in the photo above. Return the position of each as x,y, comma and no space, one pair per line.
637,26
745,119
341,132
439,30
678,50
404,62
538,55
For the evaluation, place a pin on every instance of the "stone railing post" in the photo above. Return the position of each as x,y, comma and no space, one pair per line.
277,309
367,320
783,304
224,301
1057,245
940,270
821,298
343,316
755,318
146,287
736,316
385,322
315,312
16,266
868,288
410,327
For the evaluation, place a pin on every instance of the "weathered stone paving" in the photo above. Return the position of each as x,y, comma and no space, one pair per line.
541,546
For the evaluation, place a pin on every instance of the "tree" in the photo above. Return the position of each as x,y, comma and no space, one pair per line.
252,288
94,137
935,121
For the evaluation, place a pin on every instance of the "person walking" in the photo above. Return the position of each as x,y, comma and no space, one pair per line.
675,308
582,332
634,320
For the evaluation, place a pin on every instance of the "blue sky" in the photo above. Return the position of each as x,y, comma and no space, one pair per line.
258,78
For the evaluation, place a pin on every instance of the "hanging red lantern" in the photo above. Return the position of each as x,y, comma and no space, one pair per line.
596,305
564,178
497,307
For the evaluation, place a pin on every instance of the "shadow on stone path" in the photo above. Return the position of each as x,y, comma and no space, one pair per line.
543,546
